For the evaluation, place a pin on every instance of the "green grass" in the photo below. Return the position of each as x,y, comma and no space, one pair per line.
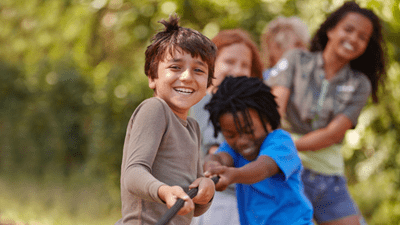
54,200
87,200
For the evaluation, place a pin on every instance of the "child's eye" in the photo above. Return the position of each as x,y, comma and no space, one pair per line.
230,61
198,70
175,67
248,131
363,37
348,29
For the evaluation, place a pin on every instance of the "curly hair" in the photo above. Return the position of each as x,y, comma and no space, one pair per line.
238,94
373,61
175,37
226,38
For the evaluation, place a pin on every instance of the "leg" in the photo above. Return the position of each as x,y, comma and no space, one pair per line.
351,220
330,198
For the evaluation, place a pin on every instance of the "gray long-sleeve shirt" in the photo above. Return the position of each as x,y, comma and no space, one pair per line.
160,148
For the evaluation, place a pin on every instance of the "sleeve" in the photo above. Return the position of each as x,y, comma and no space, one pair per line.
358,100
200,209
224,147
281,148
282,73
200,158
145,132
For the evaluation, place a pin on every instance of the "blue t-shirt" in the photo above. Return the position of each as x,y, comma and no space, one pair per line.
279,199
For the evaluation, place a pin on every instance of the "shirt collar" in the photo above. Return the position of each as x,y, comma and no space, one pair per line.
342,74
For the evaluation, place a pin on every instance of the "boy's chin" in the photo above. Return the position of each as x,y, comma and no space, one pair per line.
251,158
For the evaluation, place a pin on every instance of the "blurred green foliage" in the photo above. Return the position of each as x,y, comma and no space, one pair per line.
71,74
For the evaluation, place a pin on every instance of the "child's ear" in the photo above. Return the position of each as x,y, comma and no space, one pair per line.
329,33
269,128
152,83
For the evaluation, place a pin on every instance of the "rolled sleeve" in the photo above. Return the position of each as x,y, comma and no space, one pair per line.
358,101
281,148
282,73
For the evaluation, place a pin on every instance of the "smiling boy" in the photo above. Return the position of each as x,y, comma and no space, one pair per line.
162,145
260,158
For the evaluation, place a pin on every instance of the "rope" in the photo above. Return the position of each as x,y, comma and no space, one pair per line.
179,204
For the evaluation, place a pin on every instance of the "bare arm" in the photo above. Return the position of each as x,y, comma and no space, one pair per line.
318,139
325,137
256,171
212,149
281,94
263,167
221,158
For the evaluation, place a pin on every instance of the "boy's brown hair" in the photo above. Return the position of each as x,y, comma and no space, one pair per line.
175,37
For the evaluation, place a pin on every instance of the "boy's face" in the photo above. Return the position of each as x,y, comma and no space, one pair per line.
249,140
181,82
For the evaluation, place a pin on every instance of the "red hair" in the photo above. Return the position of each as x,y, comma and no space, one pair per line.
226,38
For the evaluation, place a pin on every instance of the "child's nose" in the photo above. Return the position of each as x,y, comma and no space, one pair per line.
238,71
353,38
243,141
186,75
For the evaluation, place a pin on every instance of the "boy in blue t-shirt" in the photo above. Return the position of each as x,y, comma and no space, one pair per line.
260,158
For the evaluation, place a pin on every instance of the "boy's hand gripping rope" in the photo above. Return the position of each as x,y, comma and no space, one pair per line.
179,204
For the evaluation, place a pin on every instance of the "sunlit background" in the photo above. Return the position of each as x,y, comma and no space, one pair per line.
72,72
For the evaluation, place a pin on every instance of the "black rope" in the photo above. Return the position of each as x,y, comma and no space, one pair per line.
179,204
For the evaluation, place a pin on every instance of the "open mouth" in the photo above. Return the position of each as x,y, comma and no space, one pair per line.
247,151
348,46
185,91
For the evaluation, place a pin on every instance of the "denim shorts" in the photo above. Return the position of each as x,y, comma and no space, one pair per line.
329,196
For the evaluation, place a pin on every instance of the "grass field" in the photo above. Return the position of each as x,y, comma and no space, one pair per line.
85,200
53,200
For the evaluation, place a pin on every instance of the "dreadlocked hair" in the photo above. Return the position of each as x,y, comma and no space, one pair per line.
238,94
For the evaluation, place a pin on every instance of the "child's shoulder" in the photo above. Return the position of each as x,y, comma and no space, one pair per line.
300,55
280,134
153,102
152,107
279,139
193,122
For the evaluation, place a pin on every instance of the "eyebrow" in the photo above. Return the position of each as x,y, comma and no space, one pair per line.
362,31
201,63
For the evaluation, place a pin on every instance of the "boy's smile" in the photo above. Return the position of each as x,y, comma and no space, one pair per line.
248,141
181,81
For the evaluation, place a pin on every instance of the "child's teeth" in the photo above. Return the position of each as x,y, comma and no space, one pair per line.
348,46
247,150
184,90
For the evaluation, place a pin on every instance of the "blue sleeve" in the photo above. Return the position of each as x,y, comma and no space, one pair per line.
224,147
280,147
